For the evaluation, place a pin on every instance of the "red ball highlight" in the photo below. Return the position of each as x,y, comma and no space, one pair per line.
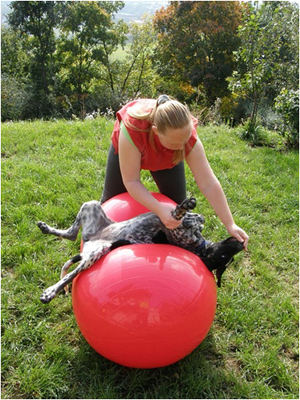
123,206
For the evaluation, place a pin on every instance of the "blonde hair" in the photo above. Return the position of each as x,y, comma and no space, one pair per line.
165,114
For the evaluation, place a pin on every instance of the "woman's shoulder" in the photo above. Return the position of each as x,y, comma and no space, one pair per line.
194,122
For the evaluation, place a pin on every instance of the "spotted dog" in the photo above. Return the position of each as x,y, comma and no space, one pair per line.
100,235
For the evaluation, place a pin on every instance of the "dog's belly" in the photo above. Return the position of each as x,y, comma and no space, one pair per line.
140,229
93,246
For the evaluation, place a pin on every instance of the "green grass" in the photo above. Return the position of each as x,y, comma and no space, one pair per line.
121,53
48,170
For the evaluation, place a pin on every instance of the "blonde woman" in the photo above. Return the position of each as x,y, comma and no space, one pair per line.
158,135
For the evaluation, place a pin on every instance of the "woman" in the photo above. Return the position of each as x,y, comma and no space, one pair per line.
158,135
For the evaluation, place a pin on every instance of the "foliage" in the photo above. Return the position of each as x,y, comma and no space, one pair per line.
196,41
62,59
130,75
48,170
88,37
138,74
14,56
287,104
37,19
258,135
209,115
70,44
13,98
267,58
14,76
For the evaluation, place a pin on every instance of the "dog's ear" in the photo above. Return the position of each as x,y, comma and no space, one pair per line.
219,272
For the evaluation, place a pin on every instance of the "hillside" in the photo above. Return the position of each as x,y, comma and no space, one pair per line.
132,11
49,168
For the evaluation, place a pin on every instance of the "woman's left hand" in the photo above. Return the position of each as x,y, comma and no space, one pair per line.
239,234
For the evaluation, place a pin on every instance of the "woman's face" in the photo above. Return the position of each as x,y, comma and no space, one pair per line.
174,139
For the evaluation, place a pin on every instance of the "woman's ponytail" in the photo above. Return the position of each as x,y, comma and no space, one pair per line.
163,98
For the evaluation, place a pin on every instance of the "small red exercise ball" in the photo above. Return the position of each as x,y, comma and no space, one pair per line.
123,206
145,305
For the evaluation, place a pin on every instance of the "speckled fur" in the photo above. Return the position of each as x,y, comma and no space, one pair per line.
100,235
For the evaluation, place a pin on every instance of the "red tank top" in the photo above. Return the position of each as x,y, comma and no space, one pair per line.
153,159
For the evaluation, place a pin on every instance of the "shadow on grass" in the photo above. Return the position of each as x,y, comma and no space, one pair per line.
202,374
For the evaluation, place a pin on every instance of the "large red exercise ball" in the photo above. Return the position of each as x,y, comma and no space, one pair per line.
123,206
145,305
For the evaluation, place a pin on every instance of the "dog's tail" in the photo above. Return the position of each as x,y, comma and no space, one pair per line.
67,265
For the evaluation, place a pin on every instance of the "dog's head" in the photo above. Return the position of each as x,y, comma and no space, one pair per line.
217,256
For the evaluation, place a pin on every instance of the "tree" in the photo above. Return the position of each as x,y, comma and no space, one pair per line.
14,75
138,64
287,104
14,57
196,41
37,20
268,55
88,37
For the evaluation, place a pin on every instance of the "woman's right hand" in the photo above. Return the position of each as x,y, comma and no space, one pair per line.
166,217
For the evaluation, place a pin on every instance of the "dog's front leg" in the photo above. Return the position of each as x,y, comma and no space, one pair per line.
183,208
53,290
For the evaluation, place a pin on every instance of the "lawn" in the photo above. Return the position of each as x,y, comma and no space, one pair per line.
251,351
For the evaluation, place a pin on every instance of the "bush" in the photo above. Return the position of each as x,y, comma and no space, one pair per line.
257,135
268,116
23,100
103,99
13,98
287,104
208,115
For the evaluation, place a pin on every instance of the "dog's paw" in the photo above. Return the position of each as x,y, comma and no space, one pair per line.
43,227
48,295
189,204
181,209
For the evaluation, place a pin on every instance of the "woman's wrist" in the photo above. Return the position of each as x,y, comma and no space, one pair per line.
237,232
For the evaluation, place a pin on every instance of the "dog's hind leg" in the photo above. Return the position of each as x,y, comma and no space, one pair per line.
53,290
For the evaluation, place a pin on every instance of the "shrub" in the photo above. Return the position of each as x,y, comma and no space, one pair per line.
257,135
208,115
287,104
13,98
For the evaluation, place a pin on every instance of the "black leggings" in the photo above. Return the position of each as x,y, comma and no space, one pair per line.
170,182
